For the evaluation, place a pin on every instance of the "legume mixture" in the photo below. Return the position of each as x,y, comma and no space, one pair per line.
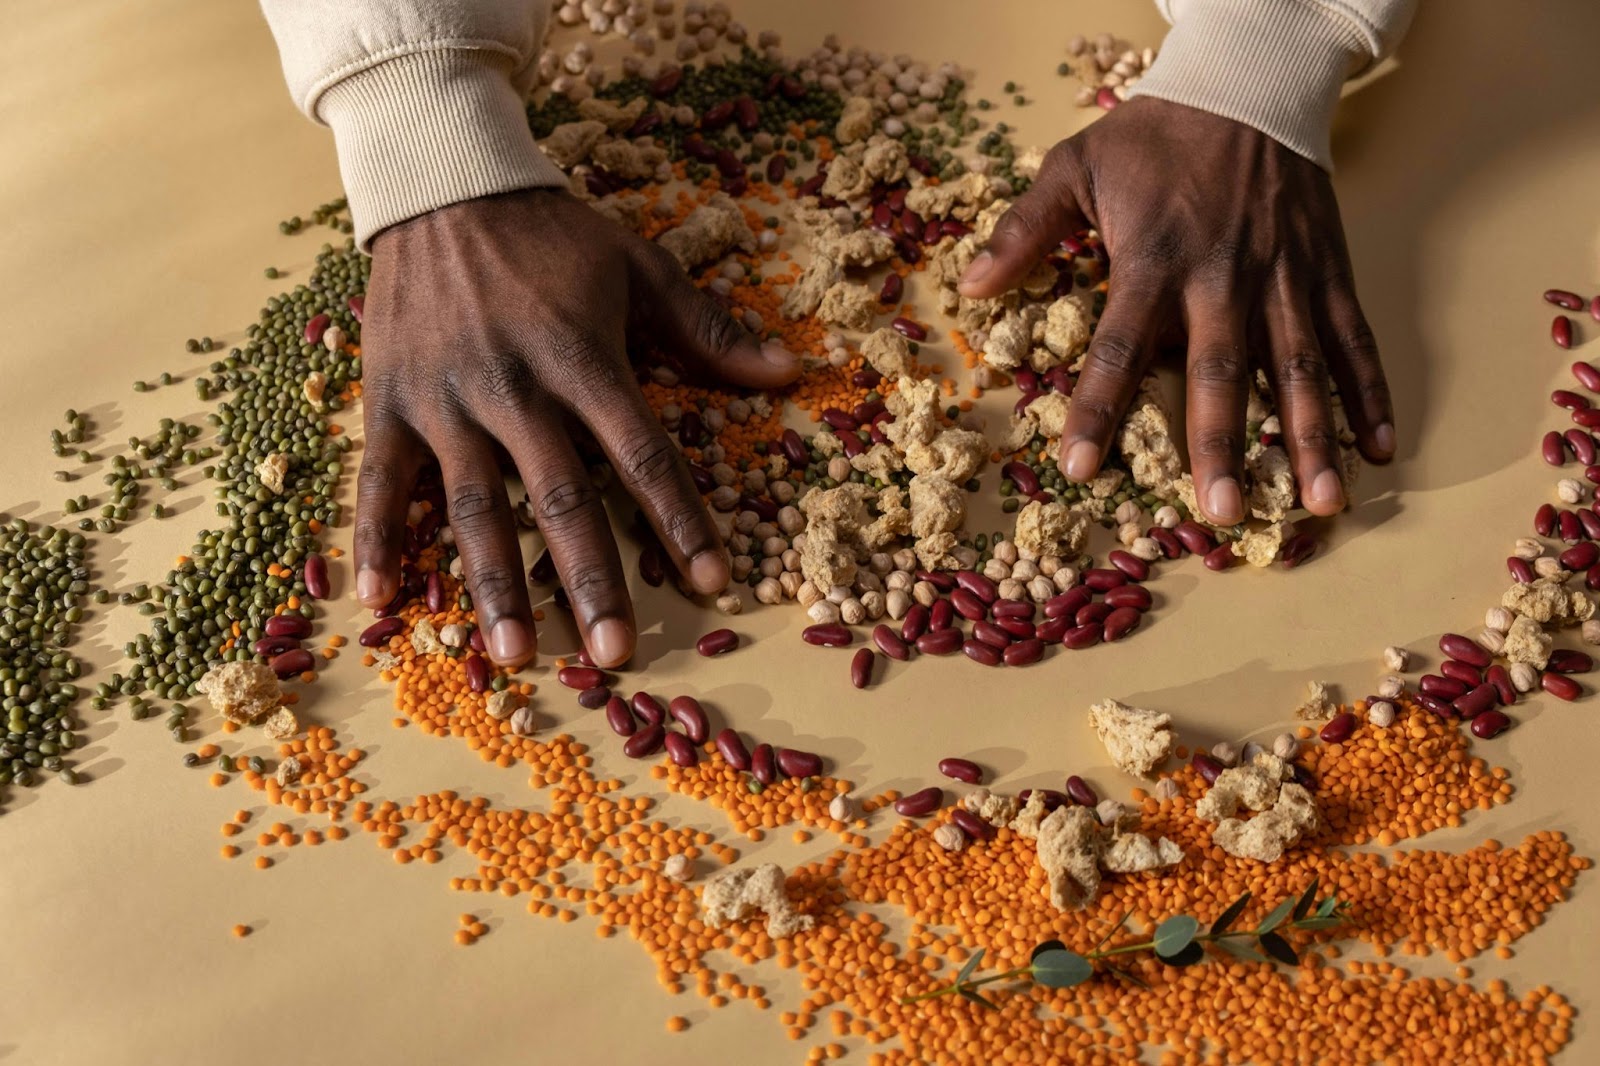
893,178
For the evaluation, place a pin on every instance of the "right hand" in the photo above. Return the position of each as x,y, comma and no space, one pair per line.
499,320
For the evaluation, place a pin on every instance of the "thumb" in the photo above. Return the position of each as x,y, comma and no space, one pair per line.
705,337
1026,233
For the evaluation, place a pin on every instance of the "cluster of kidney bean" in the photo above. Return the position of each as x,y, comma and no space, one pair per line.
1561,327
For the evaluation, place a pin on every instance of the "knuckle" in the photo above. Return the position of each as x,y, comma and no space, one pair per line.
651,461
377,479
1316,439
565,499
1095,413
1303,366
1218,365
375,535
1357,345
473,504
1217,443
681,524
494,586
593,583
503,379
1115,352
714,327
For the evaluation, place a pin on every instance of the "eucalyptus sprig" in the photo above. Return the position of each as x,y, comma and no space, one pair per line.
1177,941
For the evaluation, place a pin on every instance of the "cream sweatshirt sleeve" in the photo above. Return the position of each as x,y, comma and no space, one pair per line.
1277,65
426,98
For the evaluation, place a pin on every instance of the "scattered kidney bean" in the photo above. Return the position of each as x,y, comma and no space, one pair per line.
979,652
941,616
316,577
1466,673
717,642
1483,698
1081,792
1544,520
1432,703
796,763
968,605
971,824
1594,309
273,646
1590,522
1489,724
940,642
1024,652
1554,448
978,585
1220,558
920,803
1013,609
892,289
1018,628
764,764
1022,476
1580,556
1208,768
648,708
1194,536
890,643
620,718
1103,579
1586,374
1338,728
1091,613
794,448
1120,622
375,635
827,635
909,329
592,699
1582,445
1560,686
991,635
961,770
1591,580
681,750
1298,549
298,626
1520,569
1571,529
1051,631
1568,661
316,326
861,667
1081,636
1068,603
1052,798
1588,418
734,753
1170,545
477,668
1569,400
294,661
1562,298
1500,678
580,677
1561,331
1444,688
691,718
912,626
645,743
1465,648
1134,567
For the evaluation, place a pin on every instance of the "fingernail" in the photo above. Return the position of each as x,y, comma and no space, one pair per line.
1326,490
610,643
508,642
1383,437
369,586
709,571
777,355
1081,460
978,269
1225,501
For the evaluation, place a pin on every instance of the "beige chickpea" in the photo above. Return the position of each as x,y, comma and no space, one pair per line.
1527,548
730,603
1499,618
896,603
1284,745
769,591
1524,677
1395,659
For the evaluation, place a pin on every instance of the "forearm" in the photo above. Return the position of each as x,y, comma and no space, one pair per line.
425,97
1275,65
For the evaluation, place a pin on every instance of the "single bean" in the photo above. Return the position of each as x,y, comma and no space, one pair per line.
1500,678
913,625
1466,649
961,769
1081,792
1133,566
691,718
890,643
942,580
942,615
1560,686
1544,520
1207,767
971,824
1024,652
1569,400
861,667
593,699
1521,570
1483,698
1194,536
1594,308
828,635
1569,661
1220,558
1571,529
1444,688
645,743
1022,476
375,635
1582,445
1091,613
1489,724
1561,331
1103,579
433,593
1018,628
978,585
1051,631
909,329
648,708
316,577
1438,706
1463,672
1171,546
939,642
1554,448
1562,298
979,652
296,661
1580,556
477,669
1082,636
652,566
1588,418
892,288
991,635
1013,609
1120,622
919,804
1298,550
1068,603
681,750
799,763
580,677
1590,522
968,605
267,647
299,626
717,642
764,764
620,718
1586,374
734,753
1591,580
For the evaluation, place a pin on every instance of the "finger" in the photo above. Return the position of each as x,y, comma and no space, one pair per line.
702,335
1218,387
1300,379
389,464
486,536
1353,357
570,515
1035,224
1123,341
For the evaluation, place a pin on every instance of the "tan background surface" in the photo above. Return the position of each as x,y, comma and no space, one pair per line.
149,149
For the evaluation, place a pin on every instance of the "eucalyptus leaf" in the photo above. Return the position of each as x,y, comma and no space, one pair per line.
979,998
1239,948
1231,915
1328,906
1318,923
1307,899
1059,968
1191,953
1175,934
1279,948
1048,945
971,964
1275,919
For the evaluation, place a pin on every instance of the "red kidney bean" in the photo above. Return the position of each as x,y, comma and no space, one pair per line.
979,652
943,580
978,585
795,763
357,305
580,677
734,753
1520,569
648,708
971,824
1561,331
316,327
1586,374
299,627
594,698
1051,631
267,647
1500,678
1092,614
1081,792
827,635
764,764
1582,445
691,718
1569,661
941,616
939,642
645,743
316,577
1013,609
1594,309
1466,673
1580,556
1437,706
1208,768
1297,550
1588,418
1562,298
1465,648
717,642
681,750
920,803
1068,603
843,421
1220,558
652,568
794,448
375,635
1194,536
961,770
892,289
294,661
1544,520
1120,622
968,605
1560,686
861,667
1591,580
1590,522
1569,400
909,329
1084,636
477,669
1024,652
777,168
1554,448
1489,724
890,643
991,635
1052,798
1338,728
1444,688
1103,579
912,626
1136,596
1171,546
1019,628
1571,529
1026,480
620,718
1483,698
1134,567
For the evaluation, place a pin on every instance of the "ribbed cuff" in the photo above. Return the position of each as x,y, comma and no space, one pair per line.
427,129
1276,65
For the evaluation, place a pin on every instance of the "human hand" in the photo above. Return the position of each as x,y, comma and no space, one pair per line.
1215,229
507,319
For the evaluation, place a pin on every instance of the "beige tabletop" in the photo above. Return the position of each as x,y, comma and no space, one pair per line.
149,150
